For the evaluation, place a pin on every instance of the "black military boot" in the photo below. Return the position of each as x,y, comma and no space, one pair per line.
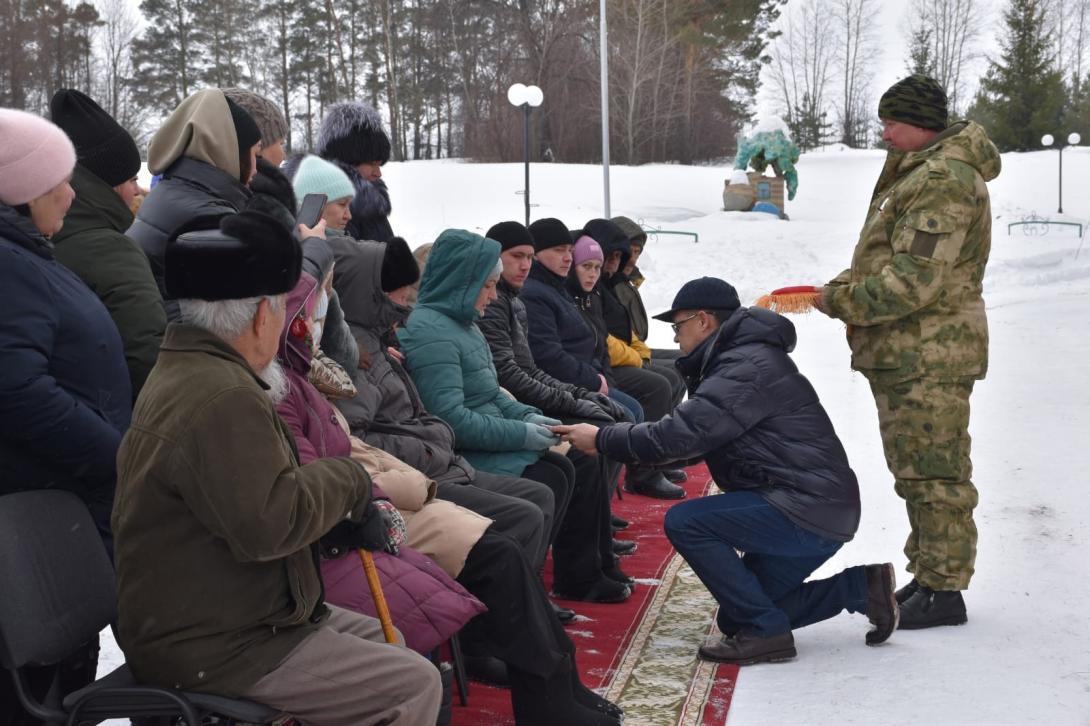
745,649
927,608
882,609
907,591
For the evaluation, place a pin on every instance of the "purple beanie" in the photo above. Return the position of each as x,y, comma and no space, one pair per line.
35,156
586,249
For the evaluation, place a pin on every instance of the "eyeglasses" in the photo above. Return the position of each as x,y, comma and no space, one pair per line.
677,326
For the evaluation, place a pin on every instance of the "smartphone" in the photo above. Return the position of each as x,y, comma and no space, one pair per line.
310,211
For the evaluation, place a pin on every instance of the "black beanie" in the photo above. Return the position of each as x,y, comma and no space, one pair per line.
549,232
250,254
399,267
247,133
510,234
917,100
103,146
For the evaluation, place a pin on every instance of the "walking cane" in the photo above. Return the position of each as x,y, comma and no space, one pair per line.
376,594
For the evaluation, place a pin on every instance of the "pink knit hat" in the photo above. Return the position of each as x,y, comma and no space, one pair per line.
35,156
586,249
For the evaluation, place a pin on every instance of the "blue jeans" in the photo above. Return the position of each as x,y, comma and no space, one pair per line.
628,402
763,592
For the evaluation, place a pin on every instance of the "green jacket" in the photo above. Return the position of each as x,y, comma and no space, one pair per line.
912,297
93,245
215,523
451,363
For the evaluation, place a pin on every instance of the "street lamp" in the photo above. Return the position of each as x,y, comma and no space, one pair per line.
1073,139
527,97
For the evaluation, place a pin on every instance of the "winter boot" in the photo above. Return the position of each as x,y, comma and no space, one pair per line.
651,483
619,523
746,649
487,669
548,701
675,476
907,591
928,608
616,573
882,609
605,590
563,614
623,546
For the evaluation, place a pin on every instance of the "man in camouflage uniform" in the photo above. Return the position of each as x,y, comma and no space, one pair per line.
918,331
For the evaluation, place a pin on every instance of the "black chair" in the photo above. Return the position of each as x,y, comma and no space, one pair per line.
58,594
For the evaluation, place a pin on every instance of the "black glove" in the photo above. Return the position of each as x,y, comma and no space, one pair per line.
617,411
590,411
368,529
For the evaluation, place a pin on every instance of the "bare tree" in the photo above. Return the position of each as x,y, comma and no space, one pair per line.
857,53
802,67
955,27
120,27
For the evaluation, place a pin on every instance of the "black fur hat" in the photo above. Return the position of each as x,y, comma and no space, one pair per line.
399,267
352,133
250,254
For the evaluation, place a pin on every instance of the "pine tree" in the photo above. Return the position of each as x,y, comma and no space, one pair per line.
920,57
167,58
1022,96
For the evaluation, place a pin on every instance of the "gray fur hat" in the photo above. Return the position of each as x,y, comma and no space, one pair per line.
352,133
268,117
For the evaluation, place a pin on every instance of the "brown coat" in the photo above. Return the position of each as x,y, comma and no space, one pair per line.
215,522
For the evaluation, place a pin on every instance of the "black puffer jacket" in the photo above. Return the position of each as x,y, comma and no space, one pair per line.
504,327
189,189
370,207
562,341
758,424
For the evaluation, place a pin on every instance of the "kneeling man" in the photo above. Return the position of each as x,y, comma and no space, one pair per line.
216,524
789,498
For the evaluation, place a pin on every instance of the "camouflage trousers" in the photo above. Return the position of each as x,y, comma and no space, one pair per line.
925,434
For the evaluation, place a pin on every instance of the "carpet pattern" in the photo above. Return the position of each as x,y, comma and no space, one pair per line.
641,653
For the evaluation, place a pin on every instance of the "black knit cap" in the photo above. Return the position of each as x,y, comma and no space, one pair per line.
103,146
510,234
917,100
550,232
399,267
704,293
247,133
248,255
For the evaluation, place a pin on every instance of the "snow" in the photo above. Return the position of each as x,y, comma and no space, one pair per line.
1024,656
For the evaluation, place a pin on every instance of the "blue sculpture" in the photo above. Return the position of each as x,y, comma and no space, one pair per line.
770,147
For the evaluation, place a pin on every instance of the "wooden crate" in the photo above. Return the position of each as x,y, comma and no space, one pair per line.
768,188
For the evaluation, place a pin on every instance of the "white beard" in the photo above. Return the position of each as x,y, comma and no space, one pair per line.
273,375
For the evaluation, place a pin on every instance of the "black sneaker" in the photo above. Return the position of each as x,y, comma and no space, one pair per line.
928,608
745,649
907,591
882,608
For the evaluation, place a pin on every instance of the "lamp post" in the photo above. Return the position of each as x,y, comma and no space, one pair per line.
1073,139
526,97
603,42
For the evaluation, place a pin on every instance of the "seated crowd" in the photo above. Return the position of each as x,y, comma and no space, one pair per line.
243,401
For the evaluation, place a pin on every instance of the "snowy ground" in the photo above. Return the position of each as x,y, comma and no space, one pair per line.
1024,657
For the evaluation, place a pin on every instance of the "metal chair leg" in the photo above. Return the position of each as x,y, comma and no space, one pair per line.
459,669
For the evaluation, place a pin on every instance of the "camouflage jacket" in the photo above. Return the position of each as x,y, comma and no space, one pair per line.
912,298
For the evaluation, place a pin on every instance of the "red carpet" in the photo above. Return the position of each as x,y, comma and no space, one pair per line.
602,634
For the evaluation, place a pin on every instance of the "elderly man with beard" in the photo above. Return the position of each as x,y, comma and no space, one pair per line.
217,524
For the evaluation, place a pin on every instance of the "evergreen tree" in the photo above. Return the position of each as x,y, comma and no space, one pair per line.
167,58
228,31
921,59
1022,96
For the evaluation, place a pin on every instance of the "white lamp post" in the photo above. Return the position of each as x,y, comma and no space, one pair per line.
526,97
1073,139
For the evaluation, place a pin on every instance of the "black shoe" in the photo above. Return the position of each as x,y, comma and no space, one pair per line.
615,573
486,669
564,615
623,547
589,699
548,701
928,608
675,476
882,608
604,591
619,523
907,591
652,484
745,649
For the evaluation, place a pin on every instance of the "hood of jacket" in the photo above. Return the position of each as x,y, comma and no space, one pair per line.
200,128
96,206
458,266
964,141
612,238
19,230
357,278
745,326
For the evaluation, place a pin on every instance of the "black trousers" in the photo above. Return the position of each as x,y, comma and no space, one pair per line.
519,508
651,388
520,627
670,373
557,473
584,545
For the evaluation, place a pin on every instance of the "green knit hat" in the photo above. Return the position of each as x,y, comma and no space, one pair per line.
917,100
315,175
